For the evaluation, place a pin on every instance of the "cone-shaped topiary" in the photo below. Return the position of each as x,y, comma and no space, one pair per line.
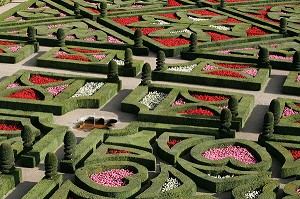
69,145
283,26
76,9
296,60
146,74
31,32
103,9
275,109
222,4
268,125
112,75
160,61
7,160
225,118
263,58
27,138
233,106
61,37
137,37
50,165
128,58
193,42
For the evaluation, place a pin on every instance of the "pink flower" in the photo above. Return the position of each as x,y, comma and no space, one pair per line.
237,152
180,101
114,40
14,48
288,111
209,67
280,57
99,56
70,37
54,26
55,90
93,38
297,78
60,52
111,178
253,72
13,85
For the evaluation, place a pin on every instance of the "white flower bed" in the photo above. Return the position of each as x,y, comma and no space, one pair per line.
220,176
119,62
220,27
88,89
170,184
197,19
181,31
152,99
252,194
182,68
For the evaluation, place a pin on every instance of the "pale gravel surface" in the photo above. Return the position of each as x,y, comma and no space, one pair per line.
272,89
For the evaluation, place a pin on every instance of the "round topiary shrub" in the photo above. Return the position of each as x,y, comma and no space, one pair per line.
76,9
146,74
69,145
137,37
7,160
283,26
50,165
263,58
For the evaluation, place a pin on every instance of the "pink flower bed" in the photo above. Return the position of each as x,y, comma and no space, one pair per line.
209,67
111,178
100,56
288,111
55,90
298,190
111,39
232,65
297,78
253,72
280,57
179,101
237,152
13,85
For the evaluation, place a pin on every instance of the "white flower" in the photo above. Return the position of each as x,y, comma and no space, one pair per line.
181,31
252,194
119,62
88,89
197,19
170,184
220,27
220,176
160,22
182,68
152,99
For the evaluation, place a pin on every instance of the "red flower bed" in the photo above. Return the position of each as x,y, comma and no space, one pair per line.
264,14
10,127
255,31
217,1
171,143
210,98
72,57
173,3
226,73
295,153
116,151
93,10
146,31
127,20
6,43
218,36
205,12
198,111
172,41
169,15
230,20
84,50
2,51
26,94
235,66
38,79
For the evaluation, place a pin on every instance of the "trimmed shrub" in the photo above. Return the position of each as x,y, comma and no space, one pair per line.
283,25
225,118
263,58
296,60
233,106
193,42
275,109
7,160
76,9
112,75
28,137
146,75
103,9
137,37
31,32
69,145
160,61
60,34
268,125
128,58
51,165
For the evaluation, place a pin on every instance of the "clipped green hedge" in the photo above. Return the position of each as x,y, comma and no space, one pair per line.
133,185
268,188
10,181
291,86
166,113
61,103
290,190
93,65
44,188
82,150
199,76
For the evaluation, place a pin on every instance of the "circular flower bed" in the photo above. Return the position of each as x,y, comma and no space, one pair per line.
38,79
198,111
10,127
237,152
170,184
111,178
26,94
172,142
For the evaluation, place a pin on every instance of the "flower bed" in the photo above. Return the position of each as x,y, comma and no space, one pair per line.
198,111
170,184
38,79
88,59
152,99
88,89
10,127
214,73
172,142
116,151
111,178
26,94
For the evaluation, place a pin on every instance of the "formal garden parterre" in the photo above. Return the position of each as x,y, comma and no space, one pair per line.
186,142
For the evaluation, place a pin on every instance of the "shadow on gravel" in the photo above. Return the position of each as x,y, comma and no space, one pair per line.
275,84
20,190
255,121
32,61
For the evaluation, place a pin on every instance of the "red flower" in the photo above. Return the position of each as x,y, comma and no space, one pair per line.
2,51
210,98
173,3
85,50
256,31
72,57
38,79
6,43
117,151
126,20
295,153
235,66
169,15
226,73
171,143
172,41
218,36
217,1
230,20
10,127
93,10
205,12
146,31
26,94
198,111
264,14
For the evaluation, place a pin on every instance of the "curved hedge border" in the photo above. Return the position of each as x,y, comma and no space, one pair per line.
164,112
280,151
139,156
291,86
199,76
268,189
133,185
92,65
175,50
61,103
289,190
248,52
